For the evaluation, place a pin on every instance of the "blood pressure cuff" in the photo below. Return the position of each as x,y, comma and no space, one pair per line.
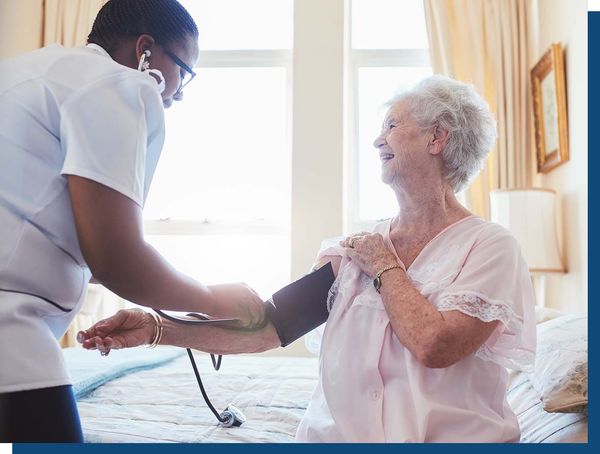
301,306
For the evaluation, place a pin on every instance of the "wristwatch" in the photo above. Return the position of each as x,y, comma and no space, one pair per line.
377,280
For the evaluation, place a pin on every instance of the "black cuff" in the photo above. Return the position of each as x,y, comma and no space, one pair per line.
301,306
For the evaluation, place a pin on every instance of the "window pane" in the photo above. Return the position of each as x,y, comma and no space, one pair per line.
261,261
226,154
376,87
242,24
388,24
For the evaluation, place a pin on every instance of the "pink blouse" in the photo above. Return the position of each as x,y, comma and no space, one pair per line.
372,389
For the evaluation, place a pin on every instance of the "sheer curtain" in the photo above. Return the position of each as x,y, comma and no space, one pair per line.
68,22
488,43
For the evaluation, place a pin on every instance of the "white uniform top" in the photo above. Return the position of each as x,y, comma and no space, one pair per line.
62,112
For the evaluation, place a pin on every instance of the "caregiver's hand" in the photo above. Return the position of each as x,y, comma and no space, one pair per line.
127,328
237,301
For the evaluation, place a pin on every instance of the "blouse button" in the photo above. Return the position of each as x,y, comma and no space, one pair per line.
375,395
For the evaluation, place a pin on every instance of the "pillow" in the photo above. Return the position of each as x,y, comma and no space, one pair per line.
561,364
537,425
543,314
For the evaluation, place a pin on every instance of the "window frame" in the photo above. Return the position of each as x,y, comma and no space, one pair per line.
268,58
357,59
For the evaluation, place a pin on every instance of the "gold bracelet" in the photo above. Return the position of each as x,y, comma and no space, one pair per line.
158,331
377,280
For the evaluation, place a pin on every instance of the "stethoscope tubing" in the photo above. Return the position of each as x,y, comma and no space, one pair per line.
224,323
202,390
202,320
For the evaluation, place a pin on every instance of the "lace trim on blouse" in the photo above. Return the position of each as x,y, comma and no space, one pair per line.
333,292
481,307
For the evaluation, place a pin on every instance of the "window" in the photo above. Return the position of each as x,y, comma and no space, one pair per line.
219,205
388,53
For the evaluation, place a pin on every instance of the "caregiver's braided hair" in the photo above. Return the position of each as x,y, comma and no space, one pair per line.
165,20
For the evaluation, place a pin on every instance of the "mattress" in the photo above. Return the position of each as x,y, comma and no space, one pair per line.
164,404
153,396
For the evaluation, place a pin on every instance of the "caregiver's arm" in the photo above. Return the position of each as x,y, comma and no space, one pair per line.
110,232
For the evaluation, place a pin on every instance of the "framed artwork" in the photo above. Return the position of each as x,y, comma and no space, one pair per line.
550,109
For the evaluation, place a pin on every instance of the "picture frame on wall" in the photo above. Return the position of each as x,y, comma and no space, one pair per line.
548,84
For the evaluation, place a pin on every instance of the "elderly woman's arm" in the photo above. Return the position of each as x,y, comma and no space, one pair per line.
135,327
437,339
335,260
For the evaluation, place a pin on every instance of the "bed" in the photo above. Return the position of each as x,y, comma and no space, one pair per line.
143,395
158,399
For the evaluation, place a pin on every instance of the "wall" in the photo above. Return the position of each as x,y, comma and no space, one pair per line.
317,131
317,134
566,22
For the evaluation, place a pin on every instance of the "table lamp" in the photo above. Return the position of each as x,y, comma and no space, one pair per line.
529,214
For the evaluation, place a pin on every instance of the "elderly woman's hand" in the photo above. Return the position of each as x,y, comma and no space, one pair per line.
125,329
369,252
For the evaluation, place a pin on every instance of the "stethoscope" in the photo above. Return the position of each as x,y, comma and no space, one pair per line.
231,416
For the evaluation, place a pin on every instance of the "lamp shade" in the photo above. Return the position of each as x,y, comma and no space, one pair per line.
529,214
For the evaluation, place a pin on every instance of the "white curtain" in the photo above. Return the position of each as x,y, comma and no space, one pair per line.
68,22
488,43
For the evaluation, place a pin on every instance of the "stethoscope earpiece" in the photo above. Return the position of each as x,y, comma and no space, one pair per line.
144,66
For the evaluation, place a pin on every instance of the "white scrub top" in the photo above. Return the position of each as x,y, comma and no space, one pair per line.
62,112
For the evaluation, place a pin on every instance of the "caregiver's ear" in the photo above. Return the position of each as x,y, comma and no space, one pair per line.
143,43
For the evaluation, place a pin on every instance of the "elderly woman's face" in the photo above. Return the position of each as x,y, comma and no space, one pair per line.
402,146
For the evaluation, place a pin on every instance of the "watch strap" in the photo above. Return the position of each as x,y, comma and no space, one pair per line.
377,280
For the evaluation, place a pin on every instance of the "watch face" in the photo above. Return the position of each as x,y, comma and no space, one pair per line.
377,283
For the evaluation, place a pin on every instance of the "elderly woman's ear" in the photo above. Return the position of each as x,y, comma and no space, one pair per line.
439,139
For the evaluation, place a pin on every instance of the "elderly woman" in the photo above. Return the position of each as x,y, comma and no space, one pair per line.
427,312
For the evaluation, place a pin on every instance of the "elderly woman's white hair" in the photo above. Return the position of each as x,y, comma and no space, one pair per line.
459,109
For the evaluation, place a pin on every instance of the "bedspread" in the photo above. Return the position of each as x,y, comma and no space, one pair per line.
165,404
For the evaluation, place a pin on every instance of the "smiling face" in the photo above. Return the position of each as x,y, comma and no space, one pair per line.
402,146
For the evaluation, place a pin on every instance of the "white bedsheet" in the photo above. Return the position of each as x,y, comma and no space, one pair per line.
165,404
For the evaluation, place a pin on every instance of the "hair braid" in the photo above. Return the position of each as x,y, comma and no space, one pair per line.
167,21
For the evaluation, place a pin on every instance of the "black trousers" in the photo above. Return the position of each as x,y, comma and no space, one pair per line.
46,415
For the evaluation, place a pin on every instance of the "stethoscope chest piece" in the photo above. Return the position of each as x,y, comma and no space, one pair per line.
232,417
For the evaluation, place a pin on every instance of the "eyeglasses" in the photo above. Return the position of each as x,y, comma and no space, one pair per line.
188,74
